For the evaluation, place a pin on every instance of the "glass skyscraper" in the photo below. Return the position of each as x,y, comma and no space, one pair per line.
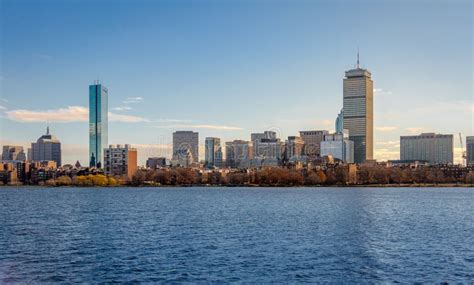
98,124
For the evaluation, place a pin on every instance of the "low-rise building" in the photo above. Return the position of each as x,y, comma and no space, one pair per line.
156,162
120,160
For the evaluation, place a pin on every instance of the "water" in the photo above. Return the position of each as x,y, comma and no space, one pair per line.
245,235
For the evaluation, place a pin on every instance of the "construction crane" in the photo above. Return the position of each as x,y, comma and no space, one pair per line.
463,153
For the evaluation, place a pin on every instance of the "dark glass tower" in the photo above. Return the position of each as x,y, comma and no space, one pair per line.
98,124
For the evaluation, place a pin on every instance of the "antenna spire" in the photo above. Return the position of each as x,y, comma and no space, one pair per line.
357,57
47,130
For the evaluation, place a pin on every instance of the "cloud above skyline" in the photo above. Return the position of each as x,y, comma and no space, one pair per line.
386,128
132,100
69,114
209,127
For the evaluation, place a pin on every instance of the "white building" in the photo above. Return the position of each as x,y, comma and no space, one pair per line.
338,146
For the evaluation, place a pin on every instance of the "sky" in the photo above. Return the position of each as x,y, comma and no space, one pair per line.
230,68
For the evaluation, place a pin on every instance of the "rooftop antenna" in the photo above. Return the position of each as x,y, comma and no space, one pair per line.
357,57
47,130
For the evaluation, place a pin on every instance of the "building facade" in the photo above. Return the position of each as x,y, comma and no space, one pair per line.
238,152
294,147
358,116
312,142
155,162
98,123
259,149
213,152
120,160
183,141
340,122
13,152
338,146
470,150
47,147
434,148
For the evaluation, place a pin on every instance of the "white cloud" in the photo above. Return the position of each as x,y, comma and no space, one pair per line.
388,143
211,127
385,129
380,91
2,107
63,115
124,108
414,130
130,100
126,118
66,115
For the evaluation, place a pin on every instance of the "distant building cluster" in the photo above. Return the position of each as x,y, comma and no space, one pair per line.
352,142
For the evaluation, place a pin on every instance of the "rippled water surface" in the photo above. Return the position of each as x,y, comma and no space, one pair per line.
236,235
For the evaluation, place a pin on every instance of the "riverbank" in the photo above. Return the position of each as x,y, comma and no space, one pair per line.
427,185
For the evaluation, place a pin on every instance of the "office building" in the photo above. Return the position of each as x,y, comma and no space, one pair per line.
237,152
13,152
340,122
98,123
312,142
156,162
266,145
470,150
184,141
434,148
338,146
294,147
47,147
182,158
359,112
120,161
213,152
256,138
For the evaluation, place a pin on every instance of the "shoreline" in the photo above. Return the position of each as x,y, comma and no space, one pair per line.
447,185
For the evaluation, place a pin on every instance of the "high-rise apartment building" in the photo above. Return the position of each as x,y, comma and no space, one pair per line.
13,152
98,123
312,142
213,152
470,150
338,146
184,141
359,112
430,147
47,147
120,160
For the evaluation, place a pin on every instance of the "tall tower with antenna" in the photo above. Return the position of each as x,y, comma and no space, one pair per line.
358,108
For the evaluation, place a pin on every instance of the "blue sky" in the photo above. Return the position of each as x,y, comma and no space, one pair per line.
229,68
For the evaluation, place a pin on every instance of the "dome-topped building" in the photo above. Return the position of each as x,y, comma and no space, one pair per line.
47,147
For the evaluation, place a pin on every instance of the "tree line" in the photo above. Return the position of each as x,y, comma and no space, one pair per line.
274,176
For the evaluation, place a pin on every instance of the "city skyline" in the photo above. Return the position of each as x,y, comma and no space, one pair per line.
260,84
